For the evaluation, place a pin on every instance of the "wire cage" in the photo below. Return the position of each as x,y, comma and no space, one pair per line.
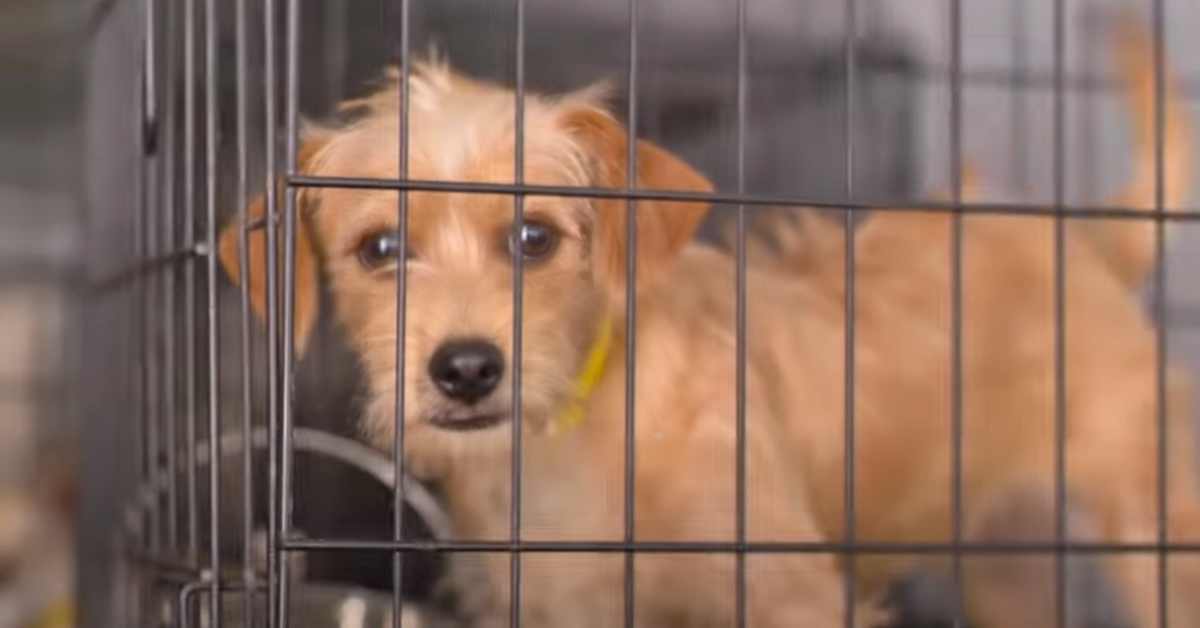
233,477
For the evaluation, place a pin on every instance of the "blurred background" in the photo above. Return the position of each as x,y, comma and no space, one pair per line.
42,51
74,397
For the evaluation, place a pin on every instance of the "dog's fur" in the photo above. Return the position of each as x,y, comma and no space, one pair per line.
459,283
903,323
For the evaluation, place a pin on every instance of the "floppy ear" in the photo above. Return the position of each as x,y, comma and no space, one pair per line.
307,290
663,227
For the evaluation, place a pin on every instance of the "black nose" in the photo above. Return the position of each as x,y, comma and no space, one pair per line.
466,370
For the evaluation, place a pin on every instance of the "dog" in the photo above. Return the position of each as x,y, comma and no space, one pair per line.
903,287
458,354
458,351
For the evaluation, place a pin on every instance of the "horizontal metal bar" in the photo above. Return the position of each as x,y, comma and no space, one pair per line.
923,206
154,264
684,547
175,569
164,564
1000,77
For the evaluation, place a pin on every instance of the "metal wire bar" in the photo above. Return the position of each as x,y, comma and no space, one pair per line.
136,303
149,120
248,574
1025,80
165,567
631,239
149,229
1160,301
742,323
171,213
275,557
518,317
956,302
1089,153
287,341
1060,328
1019,121
137,271
849,460
211,118
153,235
189,278
189,591
184,603
700,547
398,495
924,206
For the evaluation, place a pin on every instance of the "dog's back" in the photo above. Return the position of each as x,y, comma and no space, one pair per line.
905,371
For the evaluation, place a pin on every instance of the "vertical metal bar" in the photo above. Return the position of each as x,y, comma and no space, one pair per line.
287,342
170,407
211,117
137,338
401,324
189,306
849,453
1160,301
145,287
186,611
741,322
518,318
1089,151
244,327
271,229
1060,328
631,179
149,123
150,79
956,298
1018,151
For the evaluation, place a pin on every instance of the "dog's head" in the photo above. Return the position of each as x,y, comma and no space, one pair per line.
458,322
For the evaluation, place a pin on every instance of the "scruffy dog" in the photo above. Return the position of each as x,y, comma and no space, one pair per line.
458,348
458,354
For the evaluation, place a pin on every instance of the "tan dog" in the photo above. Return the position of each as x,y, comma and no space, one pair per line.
458,352
903,324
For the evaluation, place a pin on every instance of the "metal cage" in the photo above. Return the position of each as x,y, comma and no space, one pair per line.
202,430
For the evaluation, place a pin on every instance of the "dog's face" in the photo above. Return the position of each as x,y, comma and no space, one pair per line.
458,340
458,323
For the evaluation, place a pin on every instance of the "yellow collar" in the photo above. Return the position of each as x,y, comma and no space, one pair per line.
589,376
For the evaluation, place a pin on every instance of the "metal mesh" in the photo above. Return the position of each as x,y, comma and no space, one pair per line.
208,532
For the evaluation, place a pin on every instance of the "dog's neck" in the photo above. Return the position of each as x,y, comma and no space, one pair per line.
589,376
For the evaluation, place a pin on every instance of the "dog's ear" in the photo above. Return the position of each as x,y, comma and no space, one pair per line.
663,227
307,273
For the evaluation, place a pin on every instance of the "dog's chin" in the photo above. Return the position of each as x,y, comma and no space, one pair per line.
469,422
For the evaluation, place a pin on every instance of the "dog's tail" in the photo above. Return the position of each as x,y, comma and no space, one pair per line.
1128,245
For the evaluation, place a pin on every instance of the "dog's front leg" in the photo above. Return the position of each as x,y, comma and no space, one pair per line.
803,590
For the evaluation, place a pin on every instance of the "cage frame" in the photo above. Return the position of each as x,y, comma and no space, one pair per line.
193,253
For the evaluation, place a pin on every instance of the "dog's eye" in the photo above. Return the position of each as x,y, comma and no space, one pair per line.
380,249
537,240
